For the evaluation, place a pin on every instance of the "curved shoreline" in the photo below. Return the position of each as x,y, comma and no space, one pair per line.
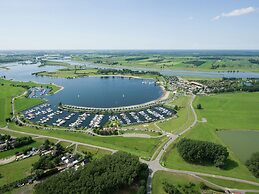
160,100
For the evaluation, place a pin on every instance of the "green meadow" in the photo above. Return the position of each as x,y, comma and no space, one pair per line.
230,111
161,177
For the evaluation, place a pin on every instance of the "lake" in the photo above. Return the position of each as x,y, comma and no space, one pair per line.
242,143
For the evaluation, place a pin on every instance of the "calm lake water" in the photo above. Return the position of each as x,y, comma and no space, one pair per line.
90,91
242,143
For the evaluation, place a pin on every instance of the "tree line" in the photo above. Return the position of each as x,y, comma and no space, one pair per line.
106,175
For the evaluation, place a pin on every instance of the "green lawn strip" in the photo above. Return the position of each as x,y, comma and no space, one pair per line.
184,118
151,133
16,170
160,148
231,184
24,103
172,178
64,143
97,153
143,147
150,126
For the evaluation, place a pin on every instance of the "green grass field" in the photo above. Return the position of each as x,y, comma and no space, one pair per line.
97,153
224,111
184,118
24,103
231,184
151,133
171,62
176,179
6,94
143,147
16,170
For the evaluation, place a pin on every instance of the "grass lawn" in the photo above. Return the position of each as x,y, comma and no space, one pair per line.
143,147
150,126
231,184
24,103
224,111
230,111
65,144
176,179
16,170
97,153
151,133
184,119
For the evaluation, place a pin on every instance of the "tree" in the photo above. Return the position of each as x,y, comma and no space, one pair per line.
253,164
199,106
106,175
202,152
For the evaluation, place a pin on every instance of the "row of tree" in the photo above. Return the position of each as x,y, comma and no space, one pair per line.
125,71
202,152
106,175
253,164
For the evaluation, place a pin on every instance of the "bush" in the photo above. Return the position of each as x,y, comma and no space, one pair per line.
202,152
253,164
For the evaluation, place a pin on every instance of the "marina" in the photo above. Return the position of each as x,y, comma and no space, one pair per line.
45,114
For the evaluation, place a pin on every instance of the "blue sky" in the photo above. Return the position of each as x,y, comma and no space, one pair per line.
129,24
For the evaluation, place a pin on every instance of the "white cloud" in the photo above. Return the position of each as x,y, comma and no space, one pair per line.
236,12
190,18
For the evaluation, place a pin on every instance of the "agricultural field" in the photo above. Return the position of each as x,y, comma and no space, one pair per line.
173,62
230,111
